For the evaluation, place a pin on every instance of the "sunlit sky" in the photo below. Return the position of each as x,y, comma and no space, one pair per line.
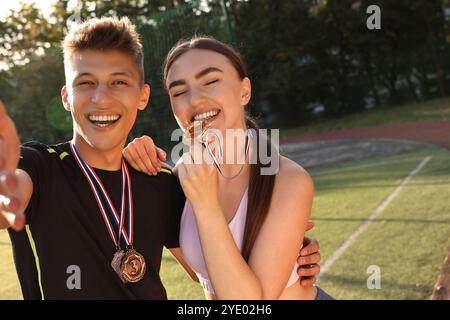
7,5
44,5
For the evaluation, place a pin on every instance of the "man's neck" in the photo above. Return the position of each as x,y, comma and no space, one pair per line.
110,159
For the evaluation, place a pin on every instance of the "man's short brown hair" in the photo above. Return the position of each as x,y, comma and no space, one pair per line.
105,34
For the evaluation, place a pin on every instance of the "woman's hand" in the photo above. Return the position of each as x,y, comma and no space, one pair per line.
199,178
144,156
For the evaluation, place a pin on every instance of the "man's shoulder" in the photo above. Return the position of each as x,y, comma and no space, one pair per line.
166,182
39,148
38,157
165,177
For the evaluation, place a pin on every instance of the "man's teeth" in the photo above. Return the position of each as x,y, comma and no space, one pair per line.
206,115
104,118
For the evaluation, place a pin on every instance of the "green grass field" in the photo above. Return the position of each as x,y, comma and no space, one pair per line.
408,241
438,109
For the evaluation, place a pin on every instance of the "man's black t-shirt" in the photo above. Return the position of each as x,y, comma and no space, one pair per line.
65,251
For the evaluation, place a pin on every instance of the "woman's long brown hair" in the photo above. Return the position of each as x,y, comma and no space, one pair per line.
260,186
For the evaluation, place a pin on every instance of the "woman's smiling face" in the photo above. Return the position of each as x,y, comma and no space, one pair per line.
204,85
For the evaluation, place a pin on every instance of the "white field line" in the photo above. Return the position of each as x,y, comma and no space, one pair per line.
332,259
362,166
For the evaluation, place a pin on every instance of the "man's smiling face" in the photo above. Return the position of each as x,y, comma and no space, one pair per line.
103,91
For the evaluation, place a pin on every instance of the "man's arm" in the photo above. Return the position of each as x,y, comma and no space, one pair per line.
16,186
308,261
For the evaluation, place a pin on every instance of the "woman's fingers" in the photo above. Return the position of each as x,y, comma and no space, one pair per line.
127,155
147,154
147,150
196,152
200,154
143,155
137,162
162,156
187,158
181,172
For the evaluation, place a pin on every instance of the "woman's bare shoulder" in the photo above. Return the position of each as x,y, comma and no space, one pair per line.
293,192
292,175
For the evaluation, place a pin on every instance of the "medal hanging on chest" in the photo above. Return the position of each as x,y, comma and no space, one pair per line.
129,264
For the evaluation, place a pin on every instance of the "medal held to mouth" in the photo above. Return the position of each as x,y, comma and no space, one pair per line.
129,265
198,131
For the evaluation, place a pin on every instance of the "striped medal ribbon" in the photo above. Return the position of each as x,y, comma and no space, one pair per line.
128,264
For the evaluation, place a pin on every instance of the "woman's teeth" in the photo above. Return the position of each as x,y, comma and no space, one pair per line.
206,115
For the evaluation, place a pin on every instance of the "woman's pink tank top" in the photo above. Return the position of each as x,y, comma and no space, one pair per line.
191,247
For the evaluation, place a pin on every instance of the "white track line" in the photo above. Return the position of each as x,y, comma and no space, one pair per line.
330,261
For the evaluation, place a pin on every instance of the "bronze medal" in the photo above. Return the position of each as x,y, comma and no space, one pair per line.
117,262
132,268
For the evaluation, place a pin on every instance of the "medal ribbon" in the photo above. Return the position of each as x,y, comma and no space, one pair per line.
219,156
107,210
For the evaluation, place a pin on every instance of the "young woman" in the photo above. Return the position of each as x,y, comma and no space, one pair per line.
240,231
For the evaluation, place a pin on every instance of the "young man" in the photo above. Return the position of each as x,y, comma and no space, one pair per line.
94,227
